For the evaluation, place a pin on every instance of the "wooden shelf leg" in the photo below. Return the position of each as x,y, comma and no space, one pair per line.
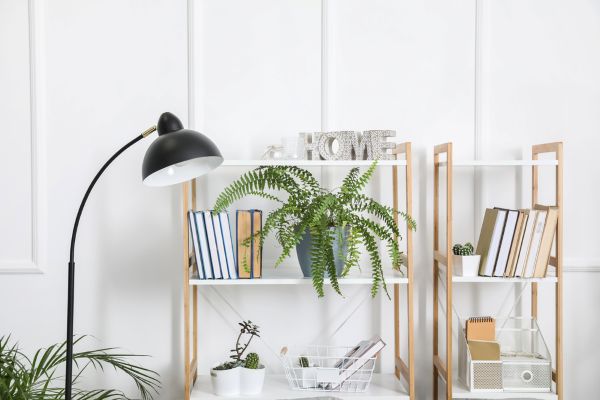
559,273
186,290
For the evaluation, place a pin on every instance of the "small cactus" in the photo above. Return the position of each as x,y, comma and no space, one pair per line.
460,250
303,361
252,361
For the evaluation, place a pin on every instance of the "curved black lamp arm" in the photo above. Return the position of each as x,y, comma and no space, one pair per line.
71,283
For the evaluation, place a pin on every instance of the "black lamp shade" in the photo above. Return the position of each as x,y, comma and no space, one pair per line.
178,154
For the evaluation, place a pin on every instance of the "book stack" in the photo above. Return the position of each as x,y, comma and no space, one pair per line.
213,245
516,243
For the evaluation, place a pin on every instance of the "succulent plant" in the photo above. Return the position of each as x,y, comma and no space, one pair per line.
303,361
227,365
248,331
252,361
463,250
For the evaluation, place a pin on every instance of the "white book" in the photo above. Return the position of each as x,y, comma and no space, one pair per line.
204,249
221,246
525,243
228,244
536,239
212,245
194,237
495,243
506,242
359,358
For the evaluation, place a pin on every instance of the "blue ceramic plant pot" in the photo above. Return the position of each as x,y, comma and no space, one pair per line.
303,249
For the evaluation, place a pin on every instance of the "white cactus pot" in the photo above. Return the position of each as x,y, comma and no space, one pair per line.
226,382
466,265
252,380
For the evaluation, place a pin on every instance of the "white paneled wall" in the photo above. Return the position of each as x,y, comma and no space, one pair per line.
79,79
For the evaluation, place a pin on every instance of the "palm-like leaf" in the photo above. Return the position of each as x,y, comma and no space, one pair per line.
39,378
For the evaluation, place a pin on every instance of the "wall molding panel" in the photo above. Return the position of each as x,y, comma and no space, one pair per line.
37,261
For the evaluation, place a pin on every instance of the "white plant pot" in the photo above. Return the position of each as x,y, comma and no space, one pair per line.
252,380
226,382
466,265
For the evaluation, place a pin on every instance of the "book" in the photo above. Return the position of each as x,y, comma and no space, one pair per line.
203,241
525,243
481,328
243,232
489,240
536,238
543,255
256,248
228,245
249,253
220,240
360,355
212,245
516,245
506,242
195,244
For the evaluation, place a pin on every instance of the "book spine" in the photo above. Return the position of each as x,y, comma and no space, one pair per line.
196,241
252,244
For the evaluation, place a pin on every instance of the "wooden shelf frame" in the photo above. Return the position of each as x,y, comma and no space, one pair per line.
404,368
442,258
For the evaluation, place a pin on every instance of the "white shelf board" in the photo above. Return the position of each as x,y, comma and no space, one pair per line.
495,279
459,391
291,275
382,387
500,163
310,163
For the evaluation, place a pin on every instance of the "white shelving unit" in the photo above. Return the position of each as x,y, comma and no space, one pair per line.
500,163
382,387
312,163
284,276
460,391
442,271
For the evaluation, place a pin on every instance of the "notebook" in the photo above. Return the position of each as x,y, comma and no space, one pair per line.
481,328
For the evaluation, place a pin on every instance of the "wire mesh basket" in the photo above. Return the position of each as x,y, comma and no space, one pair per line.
328,369
525,363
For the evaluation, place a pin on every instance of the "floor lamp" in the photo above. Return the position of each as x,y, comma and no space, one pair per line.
177,155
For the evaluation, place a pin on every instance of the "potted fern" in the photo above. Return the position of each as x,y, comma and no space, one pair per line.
326,227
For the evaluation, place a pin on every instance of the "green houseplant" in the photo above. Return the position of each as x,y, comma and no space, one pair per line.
338,221
241,375
40,377
465,261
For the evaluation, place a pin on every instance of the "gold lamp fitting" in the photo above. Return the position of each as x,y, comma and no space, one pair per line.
149,131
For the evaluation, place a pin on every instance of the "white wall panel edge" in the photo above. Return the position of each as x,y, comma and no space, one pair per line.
581,265
37,262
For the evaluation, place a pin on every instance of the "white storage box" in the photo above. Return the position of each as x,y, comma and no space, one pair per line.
323,371
525,364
